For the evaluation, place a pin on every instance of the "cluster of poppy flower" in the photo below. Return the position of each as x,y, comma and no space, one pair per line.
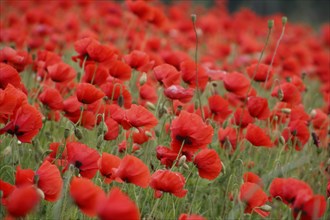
132,79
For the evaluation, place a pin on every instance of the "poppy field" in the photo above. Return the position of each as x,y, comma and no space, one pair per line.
129,110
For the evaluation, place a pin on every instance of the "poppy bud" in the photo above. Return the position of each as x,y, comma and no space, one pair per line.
102,129
148,133
78,133
99,141
313,113
280,94
196,105
151,106
282,140
270,24
162,111
185,166
286,110
120,100
193,18
143,79
266,208
40,193
284,20
66,133
182,160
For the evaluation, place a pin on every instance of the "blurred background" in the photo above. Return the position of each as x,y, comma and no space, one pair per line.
313,12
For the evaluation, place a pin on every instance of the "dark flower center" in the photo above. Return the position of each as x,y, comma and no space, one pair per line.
186,139
78,164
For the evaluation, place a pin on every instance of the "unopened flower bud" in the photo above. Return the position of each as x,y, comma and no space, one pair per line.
66,133
270,24
99,141
182,160
40,193
280,94
102,129
266,208
284,20
313,113
286,110
78,133
282,140
148,133
185,166
151,106
143,79
193,18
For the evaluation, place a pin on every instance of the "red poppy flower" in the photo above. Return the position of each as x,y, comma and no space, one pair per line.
253,197
61,72
83,158
228,136
95,74
138,60
9,75
167,75
92,50
260,74
113,129
139,136
86,195
219,108
236,83
242,118
72,106
25,123
168,181
148,94
166,156
139,116
6,189
185,216
22,201
257,136
176,92
328,189
55,157
106,163
114,90
10,99
288,189
44,60
118,206
52,98
49,181
311,207
208,163
23,177
252,178
87,93
258,107
133,170
17,59
188,73
287,92
296,134
120,70
140,9
190,132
